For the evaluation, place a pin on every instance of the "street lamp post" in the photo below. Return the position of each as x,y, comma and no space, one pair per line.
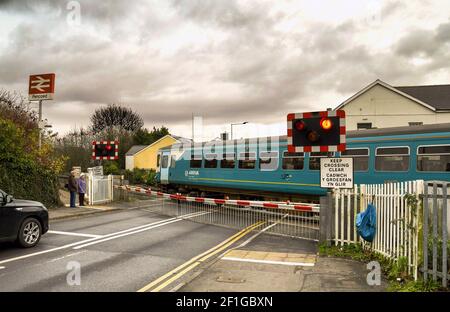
234,124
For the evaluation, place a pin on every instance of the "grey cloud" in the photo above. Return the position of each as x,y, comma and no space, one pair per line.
273,72
424,42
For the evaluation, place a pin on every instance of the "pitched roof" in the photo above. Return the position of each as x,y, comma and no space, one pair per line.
389,87
437,96
434,97
135,149
139,148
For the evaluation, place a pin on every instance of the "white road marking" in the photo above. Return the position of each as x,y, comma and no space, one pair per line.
46,251
2,267
73,234
141,230
268,261
91,239
66,256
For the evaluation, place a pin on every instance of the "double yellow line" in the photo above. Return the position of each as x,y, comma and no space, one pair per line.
176,273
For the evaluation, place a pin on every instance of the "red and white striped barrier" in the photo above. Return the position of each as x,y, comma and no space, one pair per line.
235,202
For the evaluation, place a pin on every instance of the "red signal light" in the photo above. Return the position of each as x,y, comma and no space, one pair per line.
300,125
326,123
108,147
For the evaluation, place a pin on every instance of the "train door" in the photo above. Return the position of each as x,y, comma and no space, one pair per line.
164,169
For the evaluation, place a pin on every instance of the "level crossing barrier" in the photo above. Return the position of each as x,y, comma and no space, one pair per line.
298,220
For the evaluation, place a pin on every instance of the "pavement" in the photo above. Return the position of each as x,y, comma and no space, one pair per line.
131,246
67,212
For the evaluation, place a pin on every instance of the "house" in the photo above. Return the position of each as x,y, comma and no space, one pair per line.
145,156
381,105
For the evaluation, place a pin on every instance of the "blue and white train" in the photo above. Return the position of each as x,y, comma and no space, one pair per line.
240,169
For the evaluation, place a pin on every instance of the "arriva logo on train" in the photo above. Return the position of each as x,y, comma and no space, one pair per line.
188,173
336,172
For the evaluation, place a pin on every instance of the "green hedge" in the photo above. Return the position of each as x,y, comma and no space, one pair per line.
29,182
21,173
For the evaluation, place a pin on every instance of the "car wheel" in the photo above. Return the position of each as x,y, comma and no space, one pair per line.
29,233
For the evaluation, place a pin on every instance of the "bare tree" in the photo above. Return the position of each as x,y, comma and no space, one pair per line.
115,117
14,107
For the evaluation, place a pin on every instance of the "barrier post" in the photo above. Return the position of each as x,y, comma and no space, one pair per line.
325,219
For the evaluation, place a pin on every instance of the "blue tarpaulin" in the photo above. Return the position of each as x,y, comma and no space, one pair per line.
366,223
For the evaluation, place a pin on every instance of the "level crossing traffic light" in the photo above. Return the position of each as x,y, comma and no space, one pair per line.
316,131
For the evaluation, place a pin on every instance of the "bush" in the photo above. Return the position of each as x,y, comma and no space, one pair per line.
141,176
111,167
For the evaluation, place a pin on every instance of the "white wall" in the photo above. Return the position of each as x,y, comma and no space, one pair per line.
129,162
385,108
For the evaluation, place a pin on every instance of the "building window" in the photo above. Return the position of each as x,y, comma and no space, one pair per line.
293,161
360,158
433,158
314,159
247,160
158,159
392,159
364,125
228,161
415,123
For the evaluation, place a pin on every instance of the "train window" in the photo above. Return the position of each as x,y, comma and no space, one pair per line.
433,158
268,160
228,161
360,158
210,160
172,161
392,159
314,159
247,160
196,163
165,161
293,161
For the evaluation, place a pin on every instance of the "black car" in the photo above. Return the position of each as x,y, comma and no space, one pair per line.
22,221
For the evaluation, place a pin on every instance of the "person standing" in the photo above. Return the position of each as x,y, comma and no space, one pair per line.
81,189
73,188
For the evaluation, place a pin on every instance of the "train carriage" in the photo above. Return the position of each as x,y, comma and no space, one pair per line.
262,168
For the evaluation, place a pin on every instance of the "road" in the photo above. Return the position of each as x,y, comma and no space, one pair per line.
117,251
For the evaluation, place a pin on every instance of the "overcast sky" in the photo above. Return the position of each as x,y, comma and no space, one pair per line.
227,61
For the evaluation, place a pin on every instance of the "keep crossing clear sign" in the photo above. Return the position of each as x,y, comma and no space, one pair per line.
336,172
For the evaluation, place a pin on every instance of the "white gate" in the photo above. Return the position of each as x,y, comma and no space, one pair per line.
99,189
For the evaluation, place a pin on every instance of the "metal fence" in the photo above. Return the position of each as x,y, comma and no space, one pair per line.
294,220
397,220
436,225
412,223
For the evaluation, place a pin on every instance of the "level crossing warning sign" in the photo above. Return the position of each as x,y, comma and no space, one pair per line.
336,172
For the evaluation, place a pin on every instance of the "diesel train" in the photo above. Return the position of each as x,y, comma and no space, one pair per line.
263,169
